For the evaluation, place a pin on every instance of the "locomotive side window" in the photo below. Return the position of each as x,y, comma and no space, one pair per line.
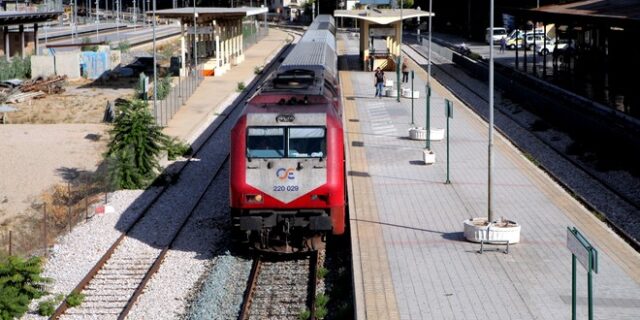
265,142
306,142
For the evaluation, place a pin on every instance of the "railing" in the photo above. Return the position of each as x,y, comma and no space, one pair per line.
181,90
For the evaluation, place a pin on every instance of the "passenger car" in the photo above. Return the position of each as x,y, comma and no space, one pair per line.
498,33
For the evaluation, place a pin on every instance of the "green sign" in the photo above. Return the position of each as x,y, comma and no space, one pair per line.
583,251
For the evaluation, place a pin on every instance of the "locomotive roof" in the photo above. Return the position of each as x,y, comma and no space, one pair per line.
316,56
320,36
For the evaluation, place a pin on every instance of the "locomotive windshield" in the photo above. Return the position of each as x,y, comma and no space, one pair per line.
286,142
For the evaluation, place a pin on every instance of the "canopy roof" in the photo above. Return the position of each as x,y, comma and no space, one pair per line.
382,16
209,13
8,18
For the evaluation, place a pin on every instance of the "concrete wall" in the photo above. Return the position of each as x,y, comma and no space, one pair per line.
42,66
68,64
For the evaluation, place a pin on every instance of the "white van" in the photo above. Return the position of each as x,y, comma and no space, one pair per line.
498,33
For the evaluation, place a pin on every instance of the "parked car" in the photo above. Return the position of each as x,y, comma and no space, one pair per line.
498,33
518,42
555,47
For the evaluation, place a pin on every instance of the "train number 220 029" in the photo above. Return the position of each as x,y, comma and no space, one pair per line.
285,188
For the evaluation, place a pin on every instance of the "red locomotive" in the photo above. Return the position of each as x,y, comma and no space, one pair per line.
287,187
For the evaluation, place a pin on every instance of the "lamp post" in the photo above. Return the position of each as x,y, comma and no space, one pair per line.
399,52
490,147
418,29
155,68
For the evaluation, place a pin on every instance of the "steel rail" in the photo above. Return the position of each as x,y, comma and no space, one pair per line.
313,283
576,164
100,264
252,283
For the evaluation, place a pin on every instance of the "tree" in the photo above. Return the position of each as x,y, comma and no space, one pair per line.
20,282
406,4
136,142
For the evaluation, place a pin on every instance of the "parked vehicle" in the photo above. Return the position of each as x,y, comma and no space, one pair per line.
519,42
558,46
498,33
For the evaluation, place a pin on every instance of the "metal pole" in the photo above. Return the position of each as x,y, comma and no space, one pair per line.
195,35
399,51
412,76
428,118
97,21
590,289
429,57
490,151
418,29
155,68
573,287
448,115
44,231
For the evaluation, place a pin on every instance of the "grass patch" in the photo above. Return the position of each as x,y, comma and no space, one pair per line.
240,87
75,299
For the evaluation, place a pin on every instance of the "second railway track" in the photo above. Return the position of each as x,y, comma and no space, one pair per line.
626,205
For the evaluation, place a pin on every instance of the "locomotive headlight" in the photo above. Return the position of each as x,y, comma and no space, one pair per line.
254,198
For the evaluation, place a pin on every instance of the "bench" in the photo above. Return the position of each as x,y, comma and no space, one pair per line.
496,242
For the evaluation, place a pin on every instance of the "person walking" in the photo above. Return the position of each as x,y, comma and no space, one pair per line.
379,82
503,44
405,71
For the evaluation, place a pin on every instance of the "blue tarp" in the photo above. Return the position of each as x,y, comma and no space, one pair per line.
94,64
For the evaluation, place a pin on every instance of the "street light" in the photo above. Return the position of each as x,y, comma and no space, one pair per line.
399,52
155,68
490,147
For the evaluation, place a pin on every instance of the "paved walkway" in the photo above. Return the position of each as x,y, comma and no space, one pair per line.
215,93
410,259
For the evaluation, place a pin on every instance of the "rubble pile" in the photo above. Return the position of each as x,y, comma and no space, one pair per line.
16,91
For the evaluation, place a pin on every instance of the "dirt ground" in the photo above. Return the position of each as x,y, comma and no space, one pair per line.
48,138
82,102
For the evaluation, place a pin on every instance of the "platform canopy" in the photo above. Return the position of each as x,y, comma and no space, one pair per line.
382,16
209,13
9,18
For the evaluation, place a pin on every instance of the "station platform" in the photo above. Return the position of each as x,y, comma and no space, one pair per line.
215,93
410,258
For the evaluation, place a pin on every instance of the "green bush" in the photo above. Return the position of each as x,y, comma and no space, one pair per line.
304,315
16,68
75,299
164,87
87,47
176,148
48,307
124,46
20,282
136,142
322,272
241,86
321,305
257,70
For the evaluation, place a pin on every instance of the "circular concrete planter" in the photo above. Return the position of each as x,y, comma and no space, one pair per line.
391,93
428,157
420,133
477,229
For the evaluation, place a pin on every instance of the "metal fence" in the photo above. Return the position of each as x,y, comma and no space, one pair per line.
67,207
181,89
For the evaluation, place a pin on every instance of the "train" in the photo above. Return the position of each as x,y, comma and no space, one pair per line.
287,170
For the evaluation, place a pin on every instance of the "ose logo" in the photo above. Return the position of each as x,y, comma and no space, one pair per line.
284,174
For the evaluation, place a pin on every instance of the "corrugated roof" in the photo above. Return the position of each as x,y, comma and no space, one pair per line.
312,56
618,9
319,36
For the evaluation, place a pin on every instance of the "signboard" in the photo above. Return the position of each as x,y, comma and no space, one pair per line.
375,1
382,32
582,250
201,30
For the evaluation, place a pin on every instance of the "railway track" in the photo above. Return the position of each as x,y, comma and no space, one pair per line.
114,284
281,289
626,202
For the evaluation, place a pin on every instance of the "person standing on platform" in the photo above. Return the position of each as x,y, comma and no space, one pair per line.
379,82
503,44
405,71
